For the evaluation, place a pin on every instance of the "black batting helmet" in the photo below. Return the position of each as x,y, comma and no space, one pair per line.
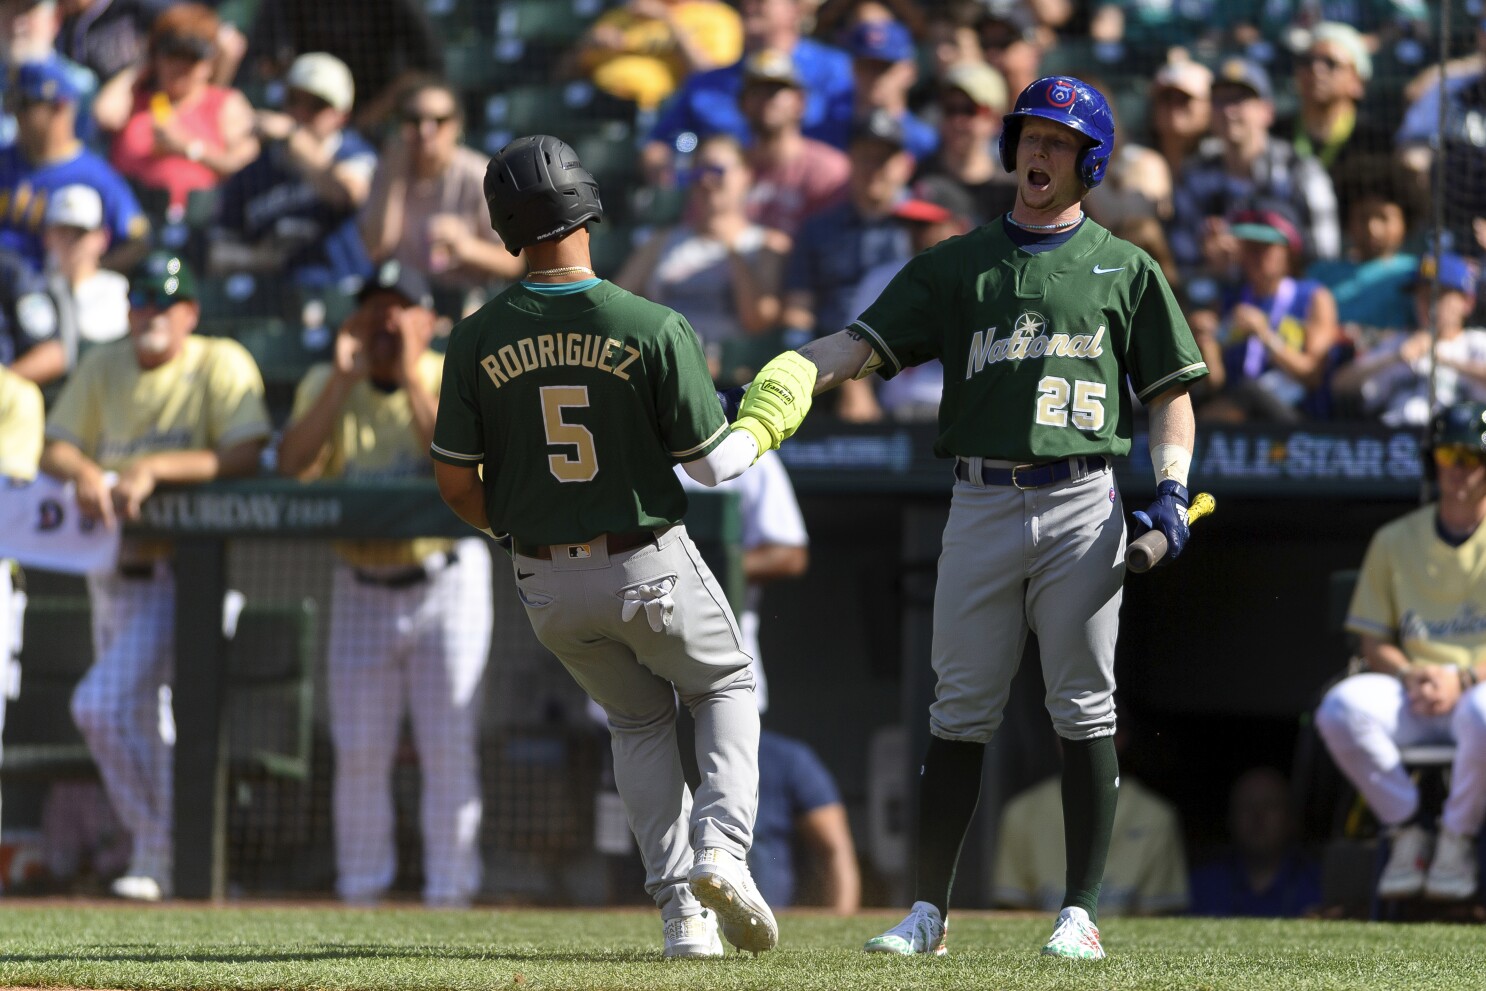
537,190
1459,424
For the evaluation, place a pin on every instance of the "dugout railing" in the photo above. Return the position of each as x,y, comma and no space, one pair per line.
243,689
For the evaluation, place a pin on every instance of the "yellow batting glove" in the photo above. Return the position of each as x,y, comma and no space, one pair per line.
780,395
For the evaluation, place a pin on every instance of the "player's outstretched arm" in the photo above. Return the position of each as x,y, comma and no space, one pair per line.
779,397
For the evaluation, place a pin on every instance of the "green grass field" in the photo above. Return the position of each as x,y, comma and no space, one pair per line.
72,946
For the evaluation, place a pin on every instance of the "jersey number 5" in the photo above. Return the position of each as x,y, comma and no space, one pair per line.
582,464
1088,403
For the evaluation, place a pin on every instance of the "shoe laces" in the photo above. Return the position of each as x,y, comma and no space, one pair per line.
1071,929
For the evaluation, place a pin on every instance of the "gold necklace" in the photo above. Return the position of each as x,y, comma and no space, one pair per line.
564,270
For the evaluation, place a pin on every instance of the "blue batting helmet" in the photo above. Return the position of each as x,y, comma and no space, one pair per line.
1072,103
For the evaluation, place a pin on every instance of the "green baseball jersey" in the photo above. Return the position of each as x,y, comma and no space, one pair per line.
1036,348
578,406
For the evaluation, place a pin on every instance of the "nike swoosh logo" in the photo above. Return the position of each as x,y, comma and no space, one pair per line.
1106,271
522,576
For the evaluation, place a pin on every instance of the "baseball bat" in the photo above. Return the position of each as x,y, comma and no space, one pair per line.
1148,548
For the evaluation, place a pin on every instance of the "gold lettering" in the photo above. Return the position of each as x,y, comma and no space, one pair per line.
591,348
546,350
509,361
528,354
604,365
633,354
492,368
575,349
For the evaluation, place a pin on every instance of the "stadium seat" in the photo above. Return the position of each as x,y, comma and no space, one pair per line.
568,110
554,21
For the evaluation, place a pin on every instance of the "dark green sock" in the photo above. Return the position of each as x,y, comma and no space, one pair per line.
948,791
1091,773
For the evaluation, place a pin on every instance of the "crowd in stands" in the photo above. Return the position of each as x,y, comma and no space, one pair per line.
1275,160
766,167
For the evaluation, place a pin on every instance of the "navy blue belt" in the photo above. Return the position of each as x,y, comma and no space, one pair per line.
1034,476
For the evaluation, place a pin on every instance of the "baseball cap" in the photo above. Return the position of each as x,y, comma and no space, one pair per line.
935,199
980,82
75,206
322,74
880,125
1246,73
885,41
47,80
1349,40
394,276
1271,224
1191,78
162,278
770,65
1453,272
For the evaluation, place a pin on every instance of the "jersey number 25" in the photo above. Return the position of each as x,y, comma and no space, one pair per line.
1088,403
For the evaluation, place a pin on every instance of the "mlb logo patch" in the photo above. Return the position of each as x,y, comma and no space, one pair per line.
578,551
1111,494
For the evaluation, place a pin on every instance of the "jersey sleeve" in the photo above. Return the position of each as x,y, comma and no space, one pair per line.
690,417
811,786
459,429
75,414
309,389
236,410
1163,352
21,425
899,323
1372,610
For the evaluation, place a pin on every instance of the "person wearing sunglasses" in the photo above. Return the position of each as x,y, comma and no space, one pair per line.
160,406
174,129
427,203
293,209
1417,609
972,101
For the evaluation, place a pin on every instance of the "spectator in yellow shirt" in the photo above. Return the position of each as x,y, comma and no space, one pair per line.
643,49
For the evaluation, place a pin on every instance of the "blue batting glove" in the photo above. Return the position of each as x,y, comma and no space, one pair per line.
1167,514
730,399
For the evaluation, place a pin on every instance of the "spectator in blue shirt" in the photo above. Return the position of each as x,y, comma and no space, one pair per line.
46,156
293,209
884,65
708,102
801,830
1264,872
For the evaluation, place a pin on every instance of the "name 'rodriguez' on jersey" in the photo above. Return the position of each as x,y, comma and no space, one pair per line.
579,406
1060,332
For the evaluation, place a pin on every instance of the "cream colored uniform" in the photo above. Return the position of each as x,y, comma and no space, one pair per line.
409,630
21,424
210,396
1429,598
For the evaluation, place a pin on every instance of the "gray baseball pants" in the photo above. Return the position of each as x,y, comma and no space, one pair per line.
1051,560
574,601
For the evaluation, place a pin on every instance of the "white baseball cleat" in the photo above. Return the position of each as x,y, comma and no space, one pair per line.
1452,872
1075,937
923,931
693,936
722,883
139,888
1403,876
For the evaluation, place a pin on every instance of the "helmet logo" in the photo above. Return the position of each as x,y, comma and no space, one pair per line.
1061,94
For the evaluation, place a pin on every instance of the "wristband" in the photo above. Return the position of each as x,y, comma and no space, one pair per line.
1171,461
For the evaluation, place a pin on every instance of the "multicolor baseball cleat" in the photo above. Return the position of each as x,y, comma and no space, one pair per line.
723,884
923,931
1075,937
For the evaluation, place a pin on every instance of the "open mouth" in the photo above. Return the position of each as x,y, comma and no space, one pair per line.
1038,179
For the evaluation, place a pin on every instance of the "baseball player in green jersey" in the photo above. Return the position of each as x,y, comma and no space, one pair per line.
1039,317
578,398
